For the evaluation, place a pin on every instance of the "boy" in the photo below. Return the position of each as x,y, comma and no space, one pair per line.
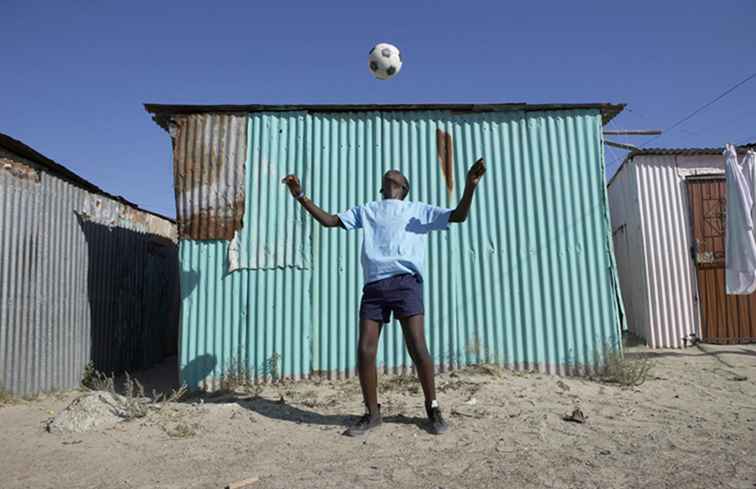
393,259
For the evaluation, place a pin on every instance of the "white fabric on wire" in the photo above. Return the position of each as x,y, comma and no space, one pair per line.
740,244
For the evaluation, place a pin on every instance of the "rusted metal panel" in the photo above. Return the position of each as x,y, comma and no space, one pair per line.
83,277
108,212
209,153
18,170
725,319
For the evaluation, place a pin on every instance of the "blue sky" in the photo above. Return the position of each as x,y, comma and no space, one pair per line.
75,74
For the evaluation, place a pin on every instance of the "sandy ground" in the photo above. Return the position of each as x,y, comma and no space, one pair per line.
692,425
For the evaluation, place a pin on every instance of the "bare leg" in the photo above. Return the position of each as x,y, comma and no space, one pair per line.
414,337
370,332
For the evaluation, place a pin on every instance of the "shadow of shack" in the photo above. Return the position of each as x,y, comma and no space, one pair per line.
133,297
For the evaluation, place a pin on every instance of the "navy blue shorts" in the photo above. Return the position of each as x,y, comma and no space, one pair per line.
400,294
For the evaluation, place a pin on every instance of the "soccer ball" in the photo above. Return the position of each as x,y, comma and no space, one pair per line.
384,61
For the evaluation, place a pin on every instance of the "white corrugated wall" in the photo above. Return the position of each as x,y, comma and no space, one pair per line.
648,199
628,247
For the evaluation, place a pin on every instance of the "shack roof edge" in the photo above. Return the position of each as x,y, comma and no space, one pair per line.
163,112
21,149
689,151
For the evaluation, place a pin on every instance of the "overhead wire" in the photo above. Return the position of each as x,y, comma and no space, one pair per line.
690,115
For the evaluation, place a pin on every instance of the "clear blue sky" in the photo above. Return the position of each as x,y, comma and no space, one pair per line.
75,74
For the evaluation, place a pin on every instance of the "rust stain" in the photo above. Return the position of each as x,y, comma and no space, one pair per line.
111,213
19,170
209,152
445,149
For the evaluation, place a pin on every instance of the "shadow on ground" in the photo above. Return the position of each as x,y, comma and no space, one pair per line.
282,410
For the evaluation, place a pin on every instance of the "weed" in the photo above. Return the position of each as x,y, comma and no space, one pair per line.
485,369
400,382
176,395
135,403
95,380
181,430
623,370
6,397
236,375
271,368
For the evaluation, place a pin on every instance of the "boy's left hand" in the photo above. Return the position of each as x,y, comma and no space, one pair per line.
476,172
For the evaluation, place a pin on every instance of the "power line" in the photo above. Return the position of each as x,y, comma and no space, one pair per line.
703,107
689,116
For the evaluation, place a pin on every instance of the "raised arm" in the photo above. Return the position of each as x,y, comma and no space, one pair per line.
323,217
474,175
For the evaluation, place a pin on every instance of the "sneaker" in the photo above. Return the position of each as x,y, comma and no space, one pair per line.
366,423
436,421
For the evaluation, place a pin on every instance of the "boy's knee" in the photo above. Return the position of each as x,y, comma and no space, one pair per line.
367,350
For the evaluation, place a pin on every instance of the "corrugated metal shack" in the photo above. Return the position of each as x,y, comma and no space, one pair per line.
527,282
84,276
668,222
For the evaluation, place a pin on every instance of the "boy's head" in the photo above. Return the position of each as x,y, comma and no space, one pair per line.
395,185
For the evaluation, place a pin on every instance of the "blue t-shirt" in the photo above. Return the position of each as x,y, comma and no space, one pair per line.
395,235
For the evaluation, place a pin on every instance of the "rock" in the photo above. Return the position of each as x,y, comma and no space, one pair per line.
93,411
577,416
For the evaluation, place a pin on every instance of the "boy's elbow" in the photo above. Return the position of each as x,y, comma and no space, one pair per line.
333,221
457,217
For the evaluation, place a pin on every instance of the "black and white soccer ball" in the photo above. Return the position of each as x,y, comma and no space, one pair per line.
385,61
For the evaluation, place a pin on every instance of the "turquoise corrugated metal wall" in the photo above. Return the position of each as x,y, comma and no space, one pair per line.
527,282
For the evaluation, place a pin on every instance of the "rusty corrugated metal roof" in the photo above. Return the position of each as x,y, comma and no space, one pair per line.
163,112
55,168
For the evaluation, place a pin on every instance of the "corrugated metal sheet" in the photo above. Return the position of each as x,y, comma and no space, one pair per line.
657,274
82,277
208,155
527,281
628,245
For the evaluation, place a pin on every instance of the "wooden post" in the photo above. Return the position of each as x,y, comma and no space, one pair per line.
621,145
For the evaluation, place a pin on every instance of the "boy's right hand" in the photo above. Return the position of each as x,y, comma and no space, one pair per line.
292,182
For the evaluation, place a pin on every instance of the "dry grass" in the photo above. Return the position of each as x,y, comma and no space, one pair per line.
181,430
485,369
625,371
405,383
136,404
176,395
95,380
6,397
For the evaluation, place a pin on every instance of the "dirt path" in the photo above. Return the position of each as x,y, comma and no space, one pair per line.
692,425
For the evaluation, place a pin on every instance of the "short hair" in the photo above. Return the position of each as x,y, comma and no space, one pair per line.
406,182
